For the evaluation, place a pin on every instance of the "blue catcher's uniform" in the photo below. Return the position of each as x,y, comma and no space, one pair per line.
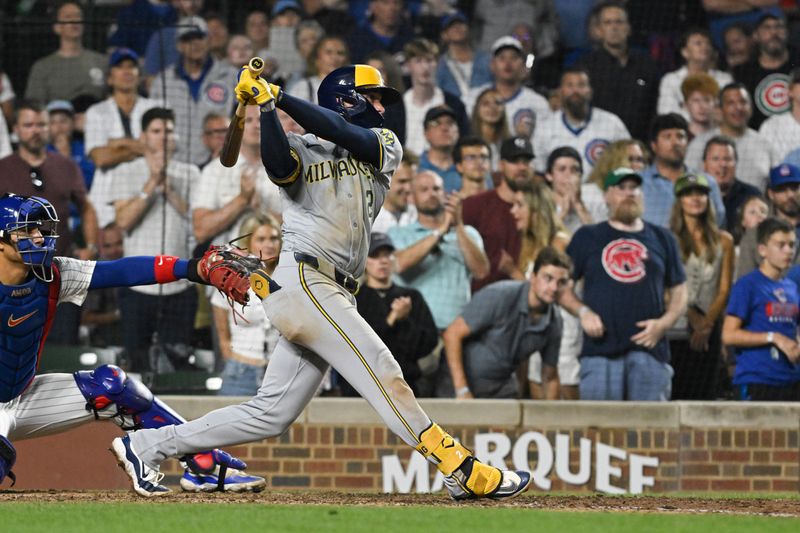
31,405
26,312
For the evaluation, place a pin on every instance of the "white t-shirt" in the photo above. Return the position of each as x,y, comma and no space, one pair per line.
415,119
254,337
601,129
103,123
127,180
6,90
218,185
782,132
386,219
5,141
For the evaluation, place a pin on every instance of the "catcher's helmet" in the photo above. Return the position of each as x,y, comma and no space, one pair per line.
345,85
22,215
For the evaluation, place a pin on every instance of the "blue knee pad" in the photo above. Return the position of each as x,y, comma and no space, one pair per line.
137,408
8,456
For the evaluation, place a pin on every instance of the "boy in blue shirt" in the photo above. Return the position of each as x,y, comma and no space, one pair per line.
762,320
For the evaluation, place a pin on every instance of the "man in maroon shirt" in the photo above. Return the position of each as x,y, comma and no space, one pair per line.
490,212
32,171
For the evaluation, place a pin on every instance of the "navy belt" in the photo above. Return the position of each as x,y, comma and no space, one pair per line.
328,269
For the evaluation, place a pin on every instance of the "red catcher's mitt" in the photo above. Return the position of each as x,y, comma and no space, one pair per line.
228,268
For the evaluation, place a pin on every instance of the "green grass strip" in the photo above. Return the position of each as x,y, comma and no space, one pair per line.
243,518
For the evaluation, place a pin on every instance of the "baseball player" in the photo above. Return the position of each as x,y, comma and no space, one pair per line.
333,181
32,283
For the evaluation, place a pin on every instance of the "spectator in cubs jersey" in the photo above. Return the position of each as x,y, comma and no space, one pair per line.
766,75
762,320
628,265
782,131
586,128
525,108
196,85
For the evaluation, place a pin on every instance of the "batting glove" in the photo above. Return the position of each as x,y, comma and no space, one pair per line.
252,90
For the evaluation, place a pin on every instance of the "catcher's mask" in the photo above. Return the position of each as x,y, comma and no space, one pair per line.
347,85
31,224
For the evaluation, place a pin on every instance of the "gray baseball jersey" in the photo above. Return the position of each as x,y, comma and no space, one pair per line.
329,210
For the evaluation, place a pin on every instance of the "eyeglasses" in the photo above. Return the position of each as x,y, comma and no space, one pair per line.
37,179
219,131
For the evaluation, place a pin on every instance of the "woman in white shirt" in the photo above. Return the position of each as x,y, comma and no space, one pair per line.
246,337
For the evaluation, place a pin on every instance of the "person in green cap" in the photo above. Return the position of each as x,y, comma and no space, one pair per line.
628,266
708,256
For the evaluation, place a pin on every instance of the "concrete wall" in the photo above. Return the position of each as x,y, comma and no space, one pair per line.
342,444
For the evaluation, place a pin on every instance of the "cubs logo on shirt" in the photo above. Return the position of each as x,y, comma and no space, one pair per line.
623,260
594,149
524,122
772,94
217,93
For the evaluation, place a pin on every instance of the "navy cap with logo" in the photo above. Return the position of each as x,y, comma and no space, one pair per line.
516,147
379,241
783,174
285,5
439,111
451,18
121,54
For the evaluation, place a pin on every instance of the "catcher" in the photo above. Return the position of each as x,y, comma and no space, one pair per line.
32,283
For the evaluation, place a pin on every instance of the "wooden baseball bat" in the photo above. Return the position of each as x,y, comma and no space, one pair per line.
233,137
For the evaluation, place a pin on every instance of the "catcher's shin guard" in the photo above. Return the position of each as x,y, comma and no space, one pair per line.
457,463
137,407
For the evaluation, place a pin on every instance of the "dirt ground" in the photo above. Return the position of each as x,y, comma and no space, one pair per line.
646,504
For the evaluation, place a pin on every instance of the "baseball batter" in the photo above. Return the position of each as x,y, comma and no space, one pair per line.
333,181
32,283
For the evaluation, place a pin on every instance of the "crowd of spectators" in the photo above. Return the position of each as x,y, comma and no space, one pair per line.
595,202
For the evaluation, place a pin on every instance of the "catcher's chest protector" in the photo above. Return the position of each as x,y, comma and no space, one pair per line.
26,313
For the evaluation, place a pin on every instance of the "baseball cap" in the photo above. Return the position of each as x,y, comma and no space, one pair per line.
439,111
452,18
616,176
768,15
504,42
283,5
120,54
379,240
688,182
516,147
61,106
783,174
189,27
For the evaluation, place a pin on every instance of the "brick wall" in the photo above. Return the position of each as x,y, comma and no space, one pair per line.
339,444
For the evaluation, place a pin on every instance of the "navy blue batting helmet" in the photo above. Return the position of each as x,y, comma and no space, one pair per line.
345,85
30,223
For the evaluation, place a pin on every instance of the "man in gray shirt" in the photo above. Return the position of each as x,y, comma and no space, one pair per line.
71,70
503,324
